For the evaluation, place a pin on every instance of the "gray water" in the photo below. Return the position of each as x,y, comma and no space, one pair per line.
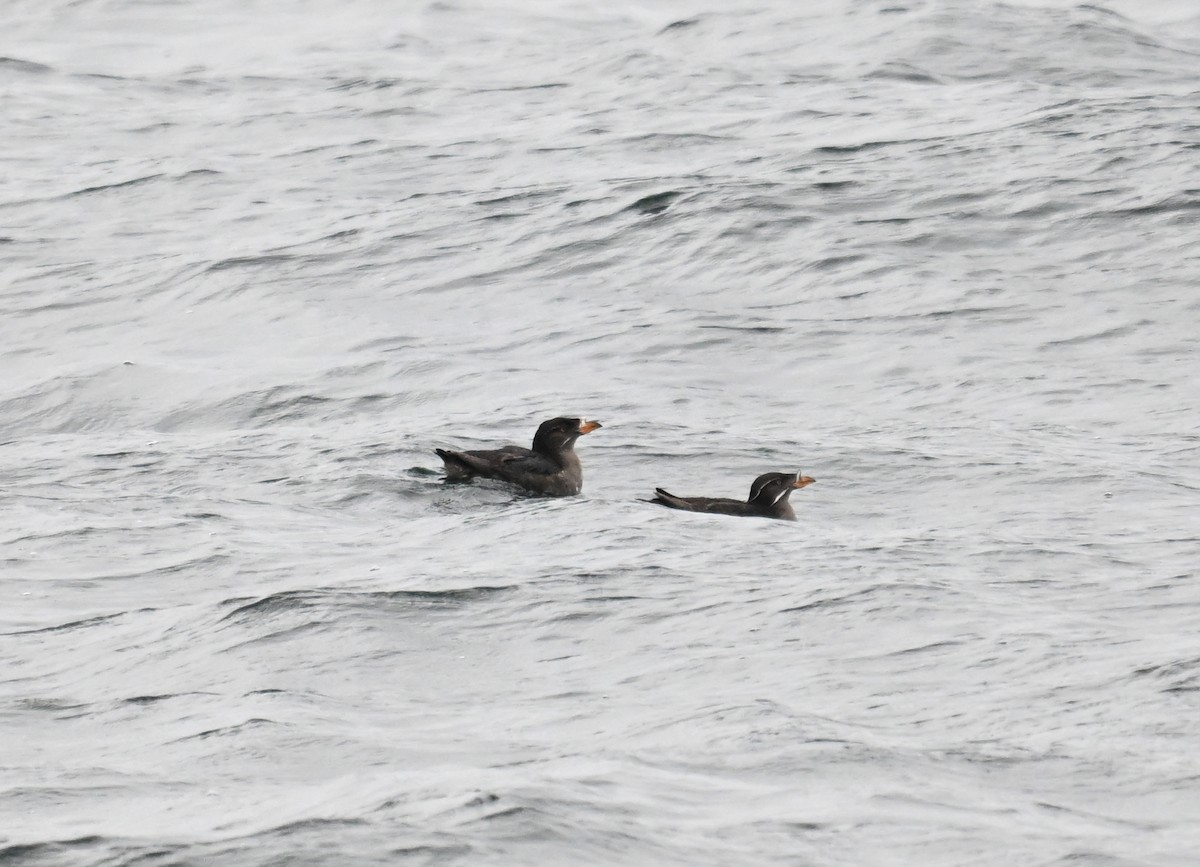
259,259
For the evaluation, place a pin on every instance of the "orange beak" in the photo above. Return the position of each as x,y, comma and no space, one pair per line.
586,427
803,482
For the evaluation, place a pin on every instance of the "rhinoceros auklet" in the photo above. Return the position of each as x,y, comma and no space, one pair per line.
551,468
768,498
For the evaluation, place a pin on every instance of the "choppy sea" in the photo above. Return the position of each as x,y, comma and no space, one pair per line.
258,259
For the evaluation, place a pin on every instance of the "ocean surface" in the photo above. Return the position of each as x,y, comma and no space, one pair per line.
258,259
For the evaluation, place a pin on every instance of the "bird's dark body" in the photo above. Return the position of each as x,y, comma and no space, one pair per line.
550,469
721,506
768,499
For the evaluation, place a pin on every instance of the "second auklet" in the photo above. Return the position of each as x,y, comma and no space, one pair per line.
551,468
768,498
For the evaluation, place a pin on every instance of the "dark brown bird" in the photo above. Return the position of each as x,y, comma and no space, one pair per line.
768,498
551,468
